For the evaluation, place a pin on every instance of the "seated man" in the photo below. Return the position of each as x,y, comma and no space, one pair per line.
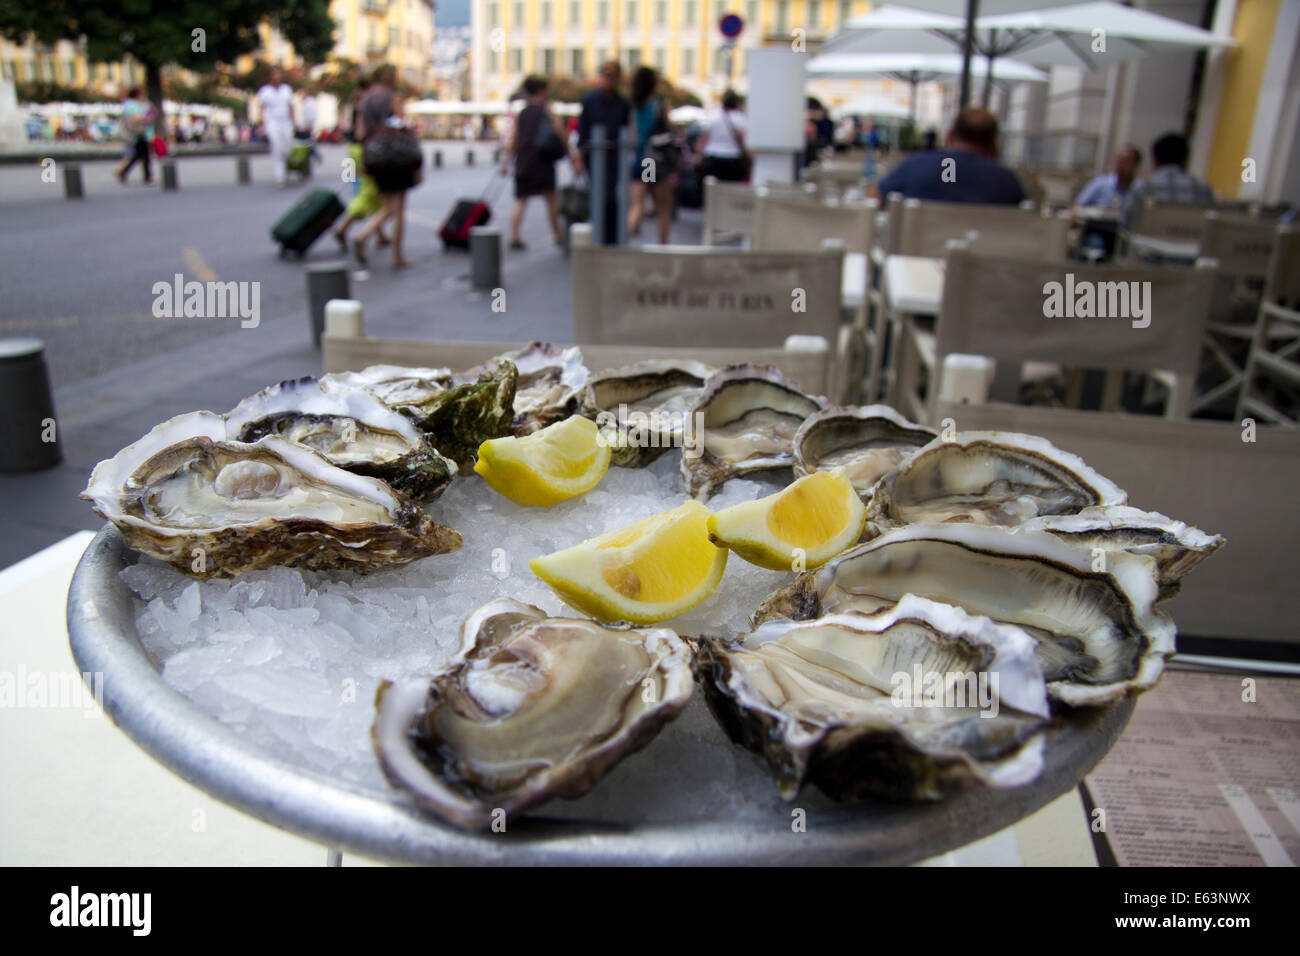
1108,190
966,170
1170,182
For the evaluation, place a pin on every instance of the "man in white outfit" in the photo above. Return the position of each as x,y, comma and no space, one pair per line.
276,98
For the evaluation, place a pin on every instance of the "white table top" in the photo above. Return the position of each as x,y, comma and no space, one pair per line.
853,280
79,792
913,284
1098,213
1165,248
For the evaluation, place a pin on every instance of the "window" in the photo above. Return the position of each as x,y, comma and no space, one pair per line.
517,16
602,13
782,16
629,15
576,67
516,60
692,14
751,14
494,61
602,56
814,16
546,14
575,13
661,13
688,62
633,58
548,62
661,58
846,11
394,37
494,15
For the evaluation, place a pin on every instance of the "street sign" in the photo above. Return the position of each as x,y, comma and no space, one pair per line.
731,25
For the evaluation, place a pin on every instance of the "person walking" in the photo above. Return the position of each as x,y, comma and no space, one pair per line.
536,145
721,146
367,201
606,109
137,131
276,99
656,155
392,156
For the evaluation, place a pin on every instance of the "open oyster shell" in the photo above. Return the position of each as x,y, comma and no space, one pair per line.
214,508
553,384
351,427
456,412
750,416
1176,547
1099,634
987,478
911,702
530,708
866,441
645,408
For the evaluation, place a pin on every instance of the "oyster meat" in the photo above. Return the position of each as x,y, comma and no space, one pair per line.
1100,636
914,701
553,384
1177,547
214,508
750,416
989,478
351,427
530,708
456,412
866,441
645,408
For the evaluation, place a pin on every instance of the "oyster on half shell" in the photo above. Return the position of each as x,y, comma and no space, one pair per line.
914,701
553,384
214,508
987,478
351,427
750,416
645,407
866,441
531,707
1177,547
1100,636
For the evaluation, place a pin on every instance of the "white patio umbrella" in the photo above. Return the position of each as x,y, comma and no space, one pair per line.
872,105
915,68
1056,36
687,114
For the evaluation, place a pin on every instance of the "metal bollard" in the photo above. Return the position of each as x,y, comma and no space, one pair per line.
28,430
496,156
169,183
485,257
72,181
469,157
243,170
325,281
437,158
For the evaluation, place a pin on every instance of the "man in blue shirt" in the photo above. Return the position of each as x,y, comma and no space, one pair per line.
1109,191
965,170
1170,182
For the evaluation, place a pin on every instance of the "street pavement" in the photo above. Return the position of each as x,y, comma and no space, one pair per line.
80,275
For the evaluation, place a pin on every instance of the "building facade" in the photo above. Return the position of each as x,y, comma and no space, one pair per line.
680,38
400,32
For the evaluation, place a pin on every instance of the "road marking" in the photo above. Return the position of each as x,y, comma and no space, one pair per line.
198,268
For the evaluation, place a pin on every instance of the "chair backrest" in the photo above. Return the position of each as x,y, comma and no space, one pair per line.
1087,316
793,224
799,190
1282,285
919,228
1059,189
1194,471
834,176
812,371
1242,245
690,296
728,209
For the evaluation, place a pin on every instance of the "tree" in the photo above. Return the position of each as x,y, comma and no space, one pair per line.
195,34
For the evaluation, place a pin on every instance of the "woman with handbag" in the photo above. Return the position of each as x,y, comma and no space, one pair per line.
391,156
657,155
366,200
536,145
721,146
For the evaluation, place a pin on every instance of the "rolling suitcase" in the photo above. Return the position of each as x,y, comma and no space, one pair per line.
310,216
465,215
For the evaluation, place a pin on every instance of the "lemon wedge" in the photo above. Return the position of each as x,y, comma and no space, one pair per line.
802,526
648,571
554,464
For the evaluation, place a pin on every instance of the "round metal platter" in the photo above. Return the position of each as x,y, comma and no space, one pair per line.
382,823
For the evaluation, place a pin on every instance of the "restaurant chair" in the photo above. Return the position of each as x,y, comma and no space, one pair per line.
997,306
1164,231
1271,380
728,211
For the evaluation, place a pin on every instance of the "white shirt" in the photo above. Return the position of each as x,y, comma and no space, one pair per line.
721,141
277,104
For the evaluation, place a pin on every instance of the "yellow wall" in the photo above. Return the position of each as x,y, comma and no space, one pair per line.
1252,28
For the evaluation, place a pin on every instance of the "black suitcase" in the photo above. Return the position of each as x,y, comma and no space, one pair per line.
310,216
464,216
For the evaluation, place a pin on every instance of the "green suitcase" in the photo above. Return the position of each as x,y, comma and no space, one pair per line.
303,224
